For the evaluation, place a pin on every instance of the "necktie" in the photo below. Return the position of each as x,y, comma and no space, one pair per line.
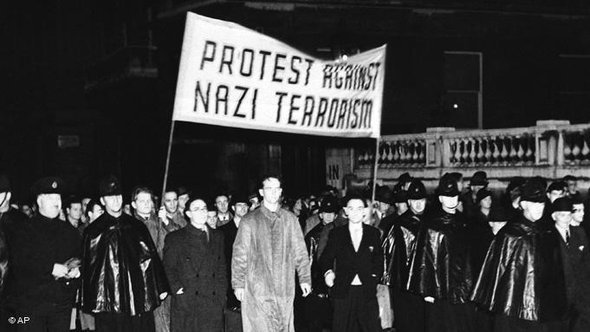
567,237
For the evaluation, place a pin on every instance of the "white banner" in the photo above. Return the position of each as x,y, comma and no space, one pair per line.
236,77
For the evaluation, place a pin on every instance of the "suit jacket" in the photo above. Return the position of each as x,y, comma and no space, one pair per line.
340,256
195,264
229,236
576,259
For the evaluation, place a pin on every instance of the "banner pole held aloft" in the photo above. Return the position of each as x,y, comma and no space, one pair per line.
167,162
375,167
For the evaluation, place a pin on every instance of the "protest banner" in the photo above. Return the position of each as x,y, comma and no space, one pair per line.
232,76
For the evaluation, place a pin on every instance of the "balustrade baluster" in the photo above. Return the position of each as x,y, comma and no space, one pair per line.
585,149
415,153
408,153
464,152
390,148
488,151
576,150
479,157
453,149
504,152
496,153
422,154
471,156
567,150
395,153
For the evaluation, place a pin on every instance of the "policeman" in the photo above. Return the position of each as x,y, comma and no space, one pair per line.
123,276
441,268
398,248
45,263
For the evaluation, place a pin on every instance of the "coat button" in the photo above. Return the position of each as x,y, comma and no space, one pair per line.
197,275
213,293
213,275
197,293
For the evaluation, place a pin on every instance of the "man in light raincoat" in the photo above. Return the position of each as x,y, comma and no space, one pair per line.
268,249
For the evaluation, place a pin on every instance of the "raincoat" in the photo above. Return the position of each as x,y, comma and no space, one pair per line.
268,250
522,275
121,269
441,266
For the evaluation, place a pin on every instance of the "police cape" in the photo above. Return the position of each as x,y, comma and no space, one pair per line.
268,249
121,270
522,275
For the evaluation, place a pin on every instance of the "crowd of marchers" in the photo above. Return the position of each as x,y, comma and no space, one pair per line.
460,257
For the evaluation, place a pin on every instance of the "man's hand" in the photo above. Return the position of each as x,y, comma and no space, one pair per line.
162,215
180,291
429,299
239,292
163,296
73,273
306,289
329,278
59,271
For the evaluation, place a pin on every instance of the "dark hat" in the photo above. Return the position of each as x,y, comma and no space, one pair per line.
239,198
557,186
4,184
400,196
109,186
576,199
479,178
48,185
447,186
515,184
416,190
404,178
182,191
384,194
570,178
498,213
562,204
534,191
481,194
456,175
330,205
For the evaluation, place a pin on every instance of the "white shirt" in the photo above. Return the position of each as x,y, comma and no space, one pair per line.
356,234
564,232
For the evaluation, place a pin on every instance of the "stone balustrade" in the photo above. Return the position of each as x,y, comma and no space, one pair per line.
551,149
